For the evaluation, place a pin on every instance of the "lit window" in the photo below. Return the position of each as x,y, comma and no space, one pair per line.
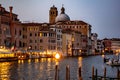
40,34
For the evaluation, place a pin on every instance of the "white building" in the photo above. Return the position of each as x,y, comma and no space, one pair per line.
94,42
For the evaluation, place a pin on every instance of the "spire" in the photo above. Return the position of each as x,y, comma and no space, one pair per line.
53,5
62,10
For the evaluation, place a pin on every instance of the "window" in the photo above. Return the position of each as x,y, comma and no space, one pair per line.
45,34
35,41
30,34
35,34
20,32
35,47
41,40
30,41
41,47
40,34
23,36
15,32
0,30
53,41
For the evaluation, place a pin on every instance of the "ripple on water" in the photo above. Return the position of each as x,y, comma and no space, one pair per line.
44,69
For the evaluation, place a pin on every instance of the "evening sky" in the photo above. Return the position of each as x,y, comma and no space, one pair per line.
103,15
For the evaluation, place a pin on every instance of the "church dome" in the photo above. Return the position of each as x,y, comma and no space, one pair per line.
62,16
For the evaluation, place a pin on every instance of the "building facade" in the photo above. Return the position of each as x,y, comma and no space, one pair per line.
54,35
10,27
115,45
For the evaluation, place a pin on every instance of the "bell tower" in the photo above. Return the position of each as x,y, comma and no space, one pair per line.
52,14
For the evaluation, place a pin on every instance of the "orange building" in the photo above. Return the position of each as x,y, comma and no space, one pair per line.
42,36
8,31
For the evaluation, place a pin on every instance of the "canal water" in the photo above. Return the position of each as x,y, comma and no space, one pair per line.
44,68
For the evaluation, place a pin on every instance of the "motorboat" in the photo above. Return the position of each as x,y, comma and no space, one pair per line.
113,62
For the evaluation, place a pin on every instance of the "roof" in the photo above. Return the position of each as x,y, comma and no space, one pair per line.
75,22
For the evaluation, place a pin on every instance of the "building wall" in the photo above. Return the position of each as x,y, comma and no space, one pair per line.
94,43
115,45
107,45
8,23
67,44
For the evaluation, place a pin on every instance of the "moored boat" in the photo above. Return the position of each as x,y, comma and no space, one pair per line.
113,62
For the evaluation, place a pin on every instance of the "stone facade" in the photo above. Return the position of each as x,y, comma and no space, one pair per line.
46,36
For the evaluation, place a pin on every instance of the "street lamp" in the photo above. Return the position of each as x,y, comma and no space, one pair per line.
80,51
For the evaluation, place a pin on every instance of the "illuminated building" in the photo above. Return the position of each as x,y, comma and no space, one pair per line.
71,42
45,36
115,45
63,21
10,28
107,45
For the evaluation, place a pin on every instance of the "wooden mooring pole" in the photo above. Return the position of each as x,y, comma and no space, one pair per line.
56,72
67,72
96,75
80,75
118,73
93,73
104,73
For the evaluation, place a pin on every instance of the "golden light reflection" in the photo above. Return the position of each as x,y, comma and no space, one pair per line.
56,62
4,70
49,59
36,60
29,60
20,61
80,61
43,59
103,55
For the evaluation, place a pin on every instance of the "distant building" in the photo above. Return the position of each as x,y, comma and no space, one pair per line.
100,46
107,45
115,45
94,42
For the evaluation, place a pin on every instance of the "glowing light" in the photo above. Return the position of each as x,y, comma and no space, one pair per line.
80,59
57,56
103,55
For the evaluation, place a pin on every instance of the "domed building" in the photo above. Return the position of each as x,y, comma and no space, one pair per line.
62,16
54,17
82,42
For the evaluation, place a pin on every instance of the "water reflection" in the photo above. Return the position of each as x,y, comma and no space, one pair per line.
44,68
80,61
5,70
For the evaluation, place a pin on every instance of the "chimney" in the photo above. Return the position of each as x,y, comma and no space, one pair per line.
10,12
11,25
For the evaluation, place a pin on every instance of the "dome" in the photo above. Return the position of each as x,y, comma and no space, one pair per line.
62,17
